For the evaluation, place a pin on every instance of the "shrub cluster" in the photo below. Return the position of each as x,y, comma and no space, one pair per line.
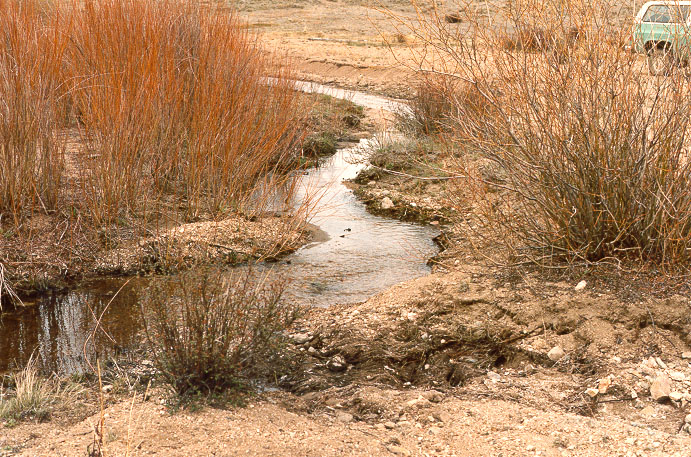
210,329
593,152
164,99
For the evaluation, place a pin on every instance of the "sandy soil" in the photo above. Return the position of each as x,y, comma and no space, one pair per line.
468,361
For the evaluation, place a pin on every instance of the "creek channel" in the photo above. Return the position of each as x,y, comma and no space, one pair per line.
354,256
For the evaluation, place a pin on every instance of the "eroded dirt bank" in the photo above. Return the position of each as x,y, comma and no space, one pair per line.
455,363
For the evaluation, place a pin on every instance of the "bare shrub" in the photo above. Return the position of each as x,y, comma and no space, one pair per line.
173,97
209,330
31,156
120,119
438,103
593,152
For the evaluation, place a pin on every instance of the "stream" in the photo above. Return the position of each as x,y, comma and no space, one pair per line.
354,256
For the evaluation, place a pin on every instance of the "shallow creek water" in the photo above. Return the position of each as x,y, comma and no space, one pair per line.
354,256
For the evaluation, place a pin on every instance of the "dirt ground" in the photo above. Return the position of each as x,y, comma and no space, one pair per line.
468,361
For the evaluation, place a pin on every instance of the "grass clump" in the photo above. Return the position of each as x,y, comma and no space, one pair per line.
31,156
26,395
211,330
319,145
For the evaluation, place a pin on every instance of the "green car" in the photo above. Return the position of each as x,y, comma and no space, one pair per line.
661,31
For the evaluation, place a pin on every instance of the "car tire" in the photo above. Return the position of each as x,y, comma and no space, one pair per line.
660,61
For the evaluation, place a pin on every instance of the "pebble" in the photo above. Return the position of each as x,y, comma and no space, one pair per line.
676,396
301,338
389,425
677,376
591,392
604,384
648,411
686,355
556,353
386,203
660,388
344,417
398,450
660,363
416,402
433,396
580,286
336,364
687,419
494,377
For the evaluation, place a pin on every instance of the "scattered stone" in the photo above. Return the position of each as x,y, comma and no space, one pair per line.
660,388
677,376
336,364
580,286
660,363
591,392
386,203
676,396
398,450
686,355
301,338
687,419
555,354
634,395
433,396
494,377
311,350
107,388
389,425
616,359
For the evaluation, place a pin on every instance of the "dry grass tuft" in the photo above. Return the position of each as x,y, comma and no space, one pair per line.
31,396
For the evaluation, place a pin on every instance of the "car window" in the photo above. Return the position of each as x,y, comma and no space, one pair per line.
665,14
658,13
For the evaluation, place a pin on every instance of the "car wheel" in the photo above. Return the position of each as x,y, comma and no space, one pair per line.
660,61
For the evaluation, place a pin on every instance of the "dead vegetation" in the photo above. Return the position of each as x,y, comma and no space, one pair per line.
27,395
122,119
591,154
208,329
